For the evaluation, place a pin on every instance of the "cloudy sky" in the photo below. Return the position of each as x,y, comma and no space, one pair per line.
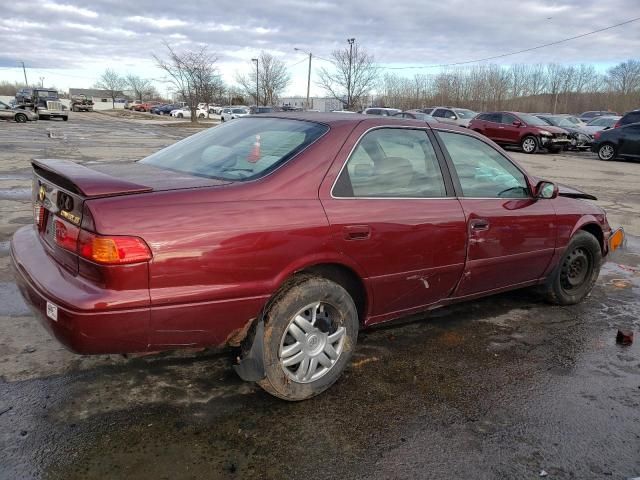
70,43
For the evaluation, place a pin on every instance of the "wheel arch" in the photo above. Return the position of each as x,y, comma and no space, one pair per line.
594,229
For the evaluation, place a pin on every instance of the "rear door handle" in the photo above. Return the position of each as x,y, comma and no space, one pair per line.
357,232
479,225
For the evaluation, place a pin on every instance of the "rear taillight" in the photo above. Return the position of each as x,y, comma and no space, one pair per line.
66,234
103,249
112,250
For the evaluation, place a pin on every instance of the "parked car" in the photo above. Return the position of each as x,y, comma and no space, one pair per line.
386,112
165,109
630,117
428,111
586,116
601,123
129,105
19,115
265,233
230,113
416,116
581,139
185,112
258,110
520,129
455,116
144,106
621,142
572,118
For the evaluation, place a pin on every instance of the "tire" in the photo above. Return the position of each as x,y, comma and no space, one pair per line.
66,119
201,116
21,118
529,144
607,151
221,119
321,349
577,271
180,115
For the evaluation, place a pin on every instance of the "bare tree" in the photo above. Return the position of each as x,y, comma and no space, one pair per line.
353,75
624,78
273,78
113,84
141,87
193,75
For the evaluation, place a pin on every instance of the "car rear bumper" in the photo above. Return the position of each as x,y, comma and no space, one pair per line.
90,329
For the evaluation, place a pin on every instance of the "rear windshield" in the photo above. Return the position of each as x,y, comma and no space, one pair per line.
245,149
463,113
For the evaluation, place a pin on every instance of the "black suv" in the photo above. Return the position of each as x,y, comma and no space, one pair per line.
630,117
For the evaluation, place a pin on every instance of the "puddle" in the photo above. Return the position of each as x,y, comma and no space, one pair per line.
11,303
15,194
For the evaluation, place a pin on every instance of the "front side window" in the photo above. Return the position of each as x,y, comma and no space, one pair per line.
483,172
245,149
392,163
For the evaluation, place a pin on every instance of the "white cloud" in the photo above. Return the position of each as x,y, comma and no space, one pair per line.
65,8
157,22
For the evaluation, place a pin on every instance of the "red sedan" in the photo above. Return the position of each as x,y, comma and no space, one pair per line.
285,234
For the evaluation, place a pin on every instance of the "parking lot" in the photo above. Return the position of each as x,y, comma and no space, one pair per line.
503,387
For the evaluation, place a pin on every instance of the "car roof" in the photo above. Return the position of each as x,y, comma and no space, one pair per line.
339,119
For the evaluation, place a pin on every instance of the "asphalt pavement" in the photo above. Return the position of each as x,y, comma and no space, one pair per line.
506,387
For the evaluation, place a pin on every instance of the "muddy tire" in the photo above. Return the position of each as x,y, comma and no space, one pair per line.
577,271
529,144
21,118
310,332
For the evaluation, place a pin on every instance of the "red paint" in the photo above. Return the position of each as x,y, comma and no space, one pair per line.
220,251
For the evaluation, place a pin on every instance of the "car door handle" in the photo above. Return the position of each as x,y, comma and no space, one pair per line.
357,232
479,225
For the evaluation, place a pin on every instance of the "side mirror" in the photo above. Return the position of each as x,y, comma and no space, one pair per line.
517,123
546,190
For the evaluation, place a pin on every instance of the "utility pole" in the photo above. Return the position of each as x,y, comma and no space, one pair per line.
350,41
308,75
41,82
24,70
257,78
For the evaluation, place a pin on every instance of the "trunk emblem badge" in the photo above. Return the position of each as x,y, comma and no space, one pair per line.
42,192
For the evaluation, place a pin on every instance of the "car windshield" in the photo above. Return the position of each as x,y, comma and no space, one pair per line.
245,149
559,121
464,113
47,94
531,120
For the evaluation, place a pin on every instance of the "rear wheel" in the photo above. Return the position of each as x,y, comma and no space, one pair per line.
201,115
21,118
606,152
310,333
577,272
529,144
180,115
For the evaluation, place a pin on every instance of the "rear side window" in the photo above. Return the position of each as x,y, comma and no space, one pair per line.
392,163
245,149
482,171
631,117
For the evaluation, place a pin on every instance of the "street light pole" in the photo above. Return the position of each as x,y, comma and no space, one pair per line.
308,75
350,41
257,78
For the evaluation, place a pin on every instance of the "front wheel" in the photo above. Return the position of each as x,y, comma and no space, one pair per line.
180,115
21,118
606,152
529,144
201,115
310,333
577,271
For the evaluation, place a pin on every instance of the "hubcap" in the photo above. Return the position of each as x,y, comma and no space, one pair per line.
606,152
529,145
575,269
312,343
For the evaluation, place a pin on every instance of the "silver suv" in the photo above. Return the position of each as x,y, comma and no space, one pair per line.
455,116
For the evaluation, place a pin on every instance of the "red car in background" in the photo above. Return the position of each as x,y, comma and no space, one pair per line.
144,107
520,129
285,234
